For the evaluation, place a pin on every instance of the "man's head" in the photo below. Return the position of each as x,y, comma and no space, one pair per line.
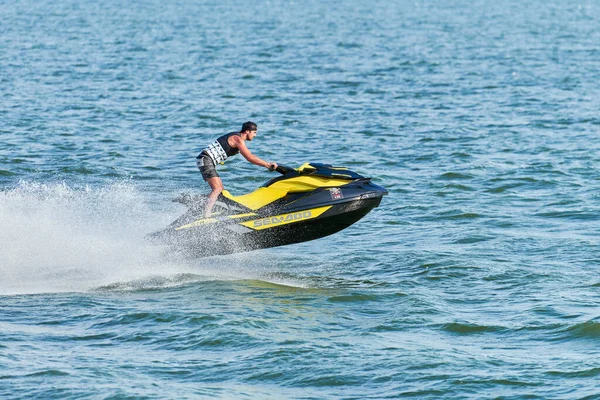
249,128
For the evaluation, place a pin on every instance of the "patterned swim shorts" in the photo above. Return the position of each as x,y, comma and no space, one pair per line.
206,166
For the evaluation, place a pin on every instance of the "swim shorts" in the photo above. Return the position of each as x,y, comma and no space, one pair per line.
206,166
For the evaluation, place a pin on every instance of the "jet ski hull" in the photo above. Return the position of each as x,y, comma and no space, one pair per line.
227,238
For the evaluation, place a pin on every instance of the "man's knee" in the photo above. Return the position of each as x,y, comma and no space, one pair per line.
216,190
216,185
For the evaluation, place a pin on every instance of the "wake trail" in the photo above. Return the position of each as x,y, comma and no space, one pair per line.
59,238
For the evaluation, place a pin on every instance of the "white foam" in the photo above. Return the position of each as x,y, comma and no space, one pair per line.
60,238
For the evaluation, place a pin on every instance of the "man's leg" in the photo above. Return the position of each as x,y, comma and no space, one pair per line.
217,187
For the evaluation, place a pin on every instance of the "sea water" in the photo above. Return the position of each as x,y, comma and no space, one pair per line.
477,277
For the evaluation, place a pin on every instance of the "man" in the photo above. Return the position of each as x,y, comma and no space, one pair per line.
218,151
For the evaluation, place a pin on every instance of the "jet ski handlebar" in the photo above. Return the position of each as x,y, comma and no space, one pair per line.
282,169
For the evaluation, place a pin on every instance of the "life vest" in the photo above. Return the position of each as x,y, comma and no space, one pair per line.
220,150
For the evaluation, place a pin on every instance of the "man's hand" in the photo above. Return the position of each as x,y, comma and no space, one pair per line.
272,166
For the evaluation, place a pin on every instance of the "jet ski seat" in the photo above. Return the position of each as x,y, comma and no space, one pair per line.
257,199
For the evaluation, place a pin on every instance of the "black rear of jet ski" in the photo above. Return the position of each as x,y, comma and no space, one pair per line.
303,204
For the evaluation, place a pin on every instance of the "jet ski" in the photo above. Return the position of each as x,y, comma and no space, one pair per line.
305,203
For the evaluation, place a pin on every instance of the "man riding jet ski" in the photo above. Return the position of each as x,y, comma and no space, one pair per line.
218,151
306,203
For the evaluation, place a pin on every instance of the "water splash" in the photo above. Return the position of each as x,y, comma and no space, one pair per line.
61,238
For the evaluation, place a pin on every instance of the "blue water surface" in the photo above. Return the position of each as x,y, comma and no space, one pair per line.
477,277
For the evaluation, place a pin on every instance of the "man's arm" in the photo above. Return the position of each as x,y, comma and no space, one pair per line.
245,152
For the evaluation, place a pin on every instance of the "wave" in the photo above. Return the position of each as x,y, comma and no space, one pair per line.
466,328
583,330
583,373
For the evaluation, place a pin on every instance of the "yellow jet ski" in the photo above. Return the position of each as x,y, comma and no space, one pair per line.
306,203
